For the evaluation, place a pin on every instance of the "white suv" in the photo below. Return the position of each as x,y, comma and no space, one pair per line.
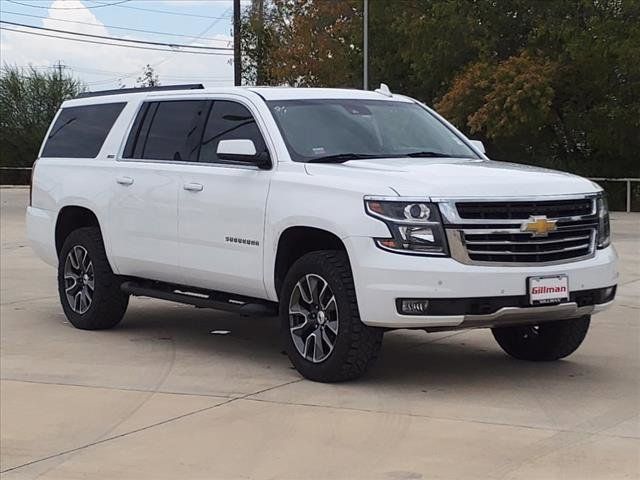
347,213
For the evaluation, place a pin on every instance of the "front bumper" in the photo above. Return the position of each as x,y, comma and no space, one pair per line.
509,316
383,277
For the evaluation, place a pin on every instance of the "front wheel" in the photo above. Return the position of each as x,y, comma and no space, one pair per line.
321,328
545,342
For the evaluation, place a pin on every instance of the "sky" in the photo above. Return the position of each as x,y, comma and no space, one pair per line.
202,22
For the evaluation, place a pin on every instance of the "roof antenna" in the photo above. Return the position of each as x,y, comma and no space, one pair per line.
384,90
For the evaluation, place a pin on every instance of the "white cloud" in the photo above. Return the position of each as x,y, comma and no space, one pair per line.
103,67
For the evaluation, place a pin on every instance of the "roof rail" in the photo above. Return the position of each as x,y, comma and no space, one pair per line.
117,91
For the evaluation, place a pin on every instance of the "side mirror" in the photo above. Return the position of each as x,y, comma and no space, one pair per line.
478,145
242,150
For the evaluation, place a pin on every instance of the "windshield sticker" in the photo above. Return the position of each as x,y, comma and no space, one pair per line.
318,150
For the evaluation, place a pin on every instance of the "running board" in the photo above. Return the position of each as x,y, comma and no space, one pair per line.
201,298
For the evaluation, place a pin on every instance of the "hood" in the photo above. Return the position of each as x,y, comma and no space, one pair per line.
454,177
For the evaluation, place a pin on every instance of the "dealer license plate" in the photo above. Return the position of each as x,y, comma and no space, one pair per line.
546,290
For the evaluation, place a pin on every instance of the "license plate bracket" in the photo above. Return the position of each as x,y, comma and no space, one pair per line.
548,289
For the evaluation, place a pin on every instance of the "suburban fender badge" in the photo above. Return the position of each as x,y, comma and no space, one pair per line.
242,241
539,226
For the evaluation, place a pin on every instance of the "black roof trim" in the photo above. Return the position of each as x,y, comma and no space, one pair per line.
117,91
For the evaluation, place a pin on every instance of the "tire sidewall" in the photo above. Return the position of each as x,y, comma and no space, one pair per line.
556,340
310,264
101,269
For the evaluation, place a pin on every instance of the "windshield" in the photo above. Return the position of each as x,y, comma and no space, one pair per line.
341,130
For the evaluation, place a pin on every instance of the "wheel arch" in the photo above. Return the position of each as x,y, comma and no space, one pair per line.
70,218
296,241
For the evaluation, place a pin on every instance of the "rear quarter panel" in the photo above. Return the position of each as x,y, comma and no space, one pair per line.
83,182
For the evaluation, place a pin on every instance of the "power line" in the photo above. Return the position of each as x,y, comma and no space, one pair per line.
96,71
113,77
111,44
137,72
104,37
155,64
203,32
167,12
113,4
115,27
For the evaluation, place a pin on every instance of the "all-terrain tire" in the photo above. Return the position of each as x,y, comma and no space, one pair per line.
545,342
108,303
356,345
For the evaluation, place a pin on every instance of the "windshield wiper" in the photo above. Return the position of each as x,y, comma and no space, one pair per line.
341,157
427,154
345,157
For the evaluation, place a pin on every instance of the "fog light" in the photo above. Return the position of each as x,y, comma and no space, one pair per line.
413,306
609,293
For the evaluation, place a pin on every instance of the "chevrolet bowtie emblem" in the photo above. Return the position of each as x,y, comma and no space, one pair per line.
539,226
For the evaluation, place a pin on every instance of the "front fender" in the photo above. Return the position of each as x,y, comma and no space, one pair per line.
302,202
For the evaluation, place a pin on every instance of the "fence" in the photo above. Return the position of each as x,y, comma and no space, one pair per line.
631,192
623,193
15,175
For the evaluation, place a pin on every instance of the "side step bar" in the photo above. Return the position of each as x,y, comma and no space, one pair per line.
201,298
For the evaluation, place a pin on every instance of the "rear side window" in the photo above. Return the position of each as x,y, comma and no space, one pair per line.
79,132
170,130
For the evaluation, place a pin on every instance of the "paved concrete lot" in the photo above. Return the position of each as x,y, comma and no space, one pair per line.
162,397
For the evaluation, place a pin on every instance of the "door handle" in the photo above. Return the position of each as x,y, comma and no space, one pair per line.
125,180
193,187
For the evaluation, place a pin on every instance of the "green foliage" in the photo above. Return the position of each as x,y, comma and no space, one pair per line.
29,100
547,82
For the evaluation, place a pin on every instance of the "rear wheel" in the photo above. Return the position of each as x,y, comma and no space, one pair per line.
545,342
89,291
321,328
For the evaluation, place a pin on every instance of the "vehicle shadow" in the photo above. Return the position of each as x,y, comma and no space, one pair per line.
407,358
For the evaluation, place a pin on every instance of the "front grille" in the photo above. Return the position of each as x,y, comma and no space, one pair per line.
522,248
490,232
523,210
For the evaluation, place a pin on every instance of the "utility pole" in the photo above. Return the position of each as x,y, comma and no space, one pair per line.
59,66
259,10
365,49
237,65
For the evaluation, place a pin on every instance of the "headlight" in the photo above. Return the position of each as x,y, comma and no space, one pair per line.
415,226
604,230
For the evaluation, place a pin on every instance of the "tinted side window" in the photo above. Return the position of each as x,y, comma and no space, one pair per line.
79,132
229,121
136,130
174,131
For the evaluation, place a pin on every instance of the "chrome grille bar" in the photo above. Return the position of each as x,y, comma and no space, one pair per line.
527,241
512,252
493,237
450,212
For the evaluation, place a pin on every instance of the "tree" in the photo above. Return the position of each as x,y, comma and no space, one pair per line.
566,94
29,99
149,77
554,83
303,43
509,103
